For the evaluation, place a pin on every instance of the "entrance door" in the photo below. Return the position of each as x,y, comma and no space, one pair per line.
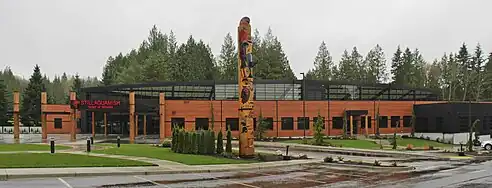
354,124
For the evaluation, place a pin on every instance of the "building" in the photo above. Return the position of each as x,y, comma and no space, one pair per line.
286,105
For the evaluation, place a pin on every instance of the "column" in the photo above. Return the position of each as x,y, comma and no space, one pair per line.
73,129
145,125
43,116
16,115
105,125
132,116
351,126
162,119
366,122
93,123
136,124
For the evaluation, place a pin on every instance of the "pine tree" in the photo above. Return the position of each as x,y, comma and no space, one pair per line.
31,103
227,59
346,70
318,130
220,143
261,128
433,72
417,70
397,67
3,104
488,78
323,64
465,76
478,75
376,65
229,141
358,62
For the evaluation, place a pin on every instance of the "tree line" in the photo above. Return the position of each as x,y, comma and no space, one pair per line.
30,90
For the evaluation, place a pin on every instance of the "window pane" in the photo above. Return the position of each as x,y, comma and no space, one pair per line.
201,123
287,123
383,121
301,121
407,121
233,123
58,123
337,122
395,121
179,122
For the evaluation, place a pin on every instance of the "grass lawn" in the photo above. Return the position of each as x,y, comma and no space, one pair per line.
29,147
143,150
361,144
47,160
420,143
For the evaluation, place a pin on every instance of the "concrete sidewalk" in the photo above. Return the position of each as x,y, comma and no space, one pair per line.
15,173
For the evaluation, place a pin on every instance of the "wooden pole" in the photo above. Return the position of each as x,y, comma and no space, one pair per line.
132,116
351,126
145,125
162,119
16,115
93,124
105,125
44,101
366,126
73,129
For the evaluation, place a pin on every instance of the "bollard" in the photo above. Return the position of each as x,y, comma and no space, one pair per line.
118,141
461,146
88,144
286,150
52,145
92,140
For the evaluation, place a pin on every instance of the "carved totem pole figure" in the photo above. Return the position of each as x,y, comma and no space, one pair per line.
246,92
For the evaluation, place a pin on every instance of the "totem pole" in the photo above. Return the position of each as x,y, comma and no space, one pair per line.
246,91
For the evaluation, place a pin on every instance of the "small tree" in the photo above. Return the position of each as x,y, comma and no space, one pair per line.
203,142
220,143
472,129
318,130
378,118
344,124
212,116
212,142
261,128
394,140
193,143
181,141
413,122
174,141
197,143
229,140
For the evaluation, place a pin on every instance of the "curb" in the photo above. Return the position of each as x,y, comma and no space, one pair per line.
385,168
149,171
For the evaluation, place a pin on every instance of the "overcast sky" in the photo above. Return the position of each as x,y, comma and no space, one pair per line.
78,36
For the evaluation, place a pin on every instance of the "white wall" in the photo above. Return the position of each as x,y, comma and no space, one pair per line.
454,138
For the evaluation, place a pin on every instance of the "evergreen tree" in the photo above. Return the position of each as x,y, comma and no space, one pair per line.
3,104
318,130
228,59
220,143
397,68
346,69
465,76
417,70
228,141
488,78
477,72
261,128
31,103
358,62
76,87
433,72
323,64
376,65
108,75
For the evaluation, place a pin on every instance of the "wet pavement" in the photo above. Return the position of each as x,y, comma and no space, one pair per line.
319,175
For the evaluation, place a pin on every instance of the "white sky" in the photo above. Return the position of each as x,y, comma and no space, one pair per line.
78,36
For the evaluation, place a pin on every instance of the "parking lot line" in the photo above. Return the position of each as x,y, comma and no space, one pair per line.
298,178
65,183
235,182
150,181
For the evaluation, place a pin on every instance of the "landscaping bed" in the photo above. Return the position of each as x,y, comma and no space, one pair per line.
376,163
339,142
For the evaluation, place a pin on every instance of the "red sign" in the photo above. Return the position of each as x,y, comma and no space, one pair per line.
95,104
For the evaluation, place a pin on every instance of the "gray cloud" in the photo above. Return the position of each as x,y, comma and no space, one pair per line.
78,36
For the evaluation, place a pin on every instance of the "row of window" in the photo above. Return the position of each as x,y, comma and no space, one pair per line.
287,123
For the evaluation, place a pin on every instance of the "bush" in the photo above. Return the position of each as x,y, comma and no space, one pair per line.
180,144
328,159
220,143
212,142
229,141
196,145
437,139
202,143
174,140
166,143
427,138
189,143
404,136
421,136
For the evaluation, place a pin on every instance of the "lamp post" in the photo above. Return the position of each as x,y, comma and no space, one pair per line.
304,104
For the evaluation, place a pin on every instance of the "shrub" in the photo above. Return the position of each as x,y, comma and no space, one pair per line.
212,142
196,141
340,158
437,139
220,143
421,136
394,140
166,143
174,140
328,159
318,130
394,164
202,146
189,142
181,139
377,163
427,138
229,141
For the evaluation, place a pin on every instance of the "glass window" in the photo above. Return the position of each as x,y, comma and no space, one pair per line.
179,122
301,122
58,123
383,121
407,121
395,121
201,123
337,122
287,123
363,122
233,123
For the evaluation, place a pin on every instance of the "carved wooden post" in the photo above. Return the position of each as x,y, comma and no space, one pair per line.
162,114
44,129
16,115
132,116
73,129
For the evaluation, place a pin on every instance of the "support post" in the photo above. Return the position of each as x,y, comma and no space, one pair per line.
105,125
73,129
93,123
145,125
246,89
136,124
16,116
132,116
44,101
366,126
162,121
351,126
